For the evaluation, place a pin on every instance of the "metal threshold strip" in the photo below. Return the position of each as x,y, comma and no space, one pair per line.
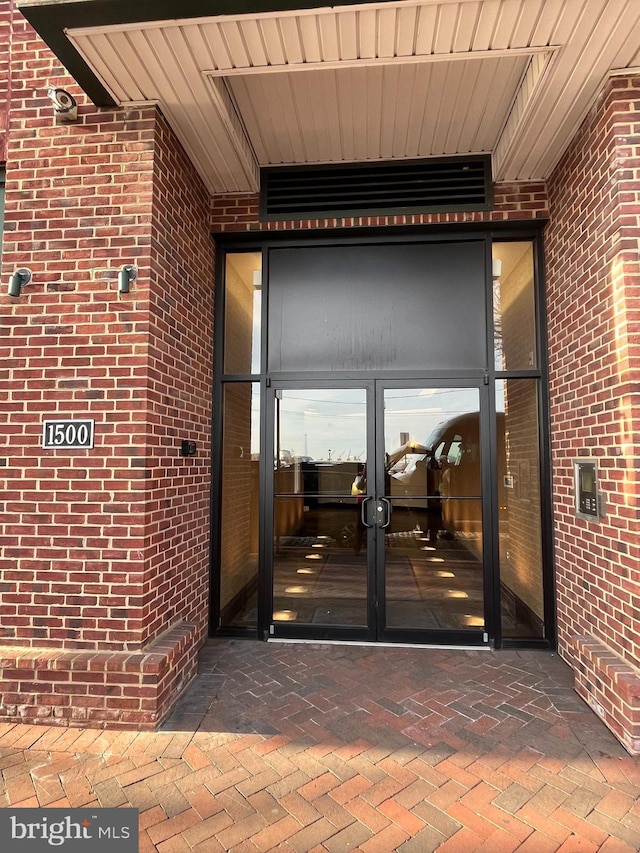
380,645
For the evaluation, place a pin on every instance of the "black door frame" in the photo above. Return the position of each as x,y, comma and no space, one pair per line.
266,626
376,629
496,232
491,614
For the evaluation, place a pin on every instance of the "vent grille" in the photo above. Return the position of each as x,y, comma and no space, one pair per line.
399,186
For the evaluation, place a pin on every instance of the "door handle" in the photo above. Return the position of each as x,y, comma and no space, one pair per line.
363,514
383,511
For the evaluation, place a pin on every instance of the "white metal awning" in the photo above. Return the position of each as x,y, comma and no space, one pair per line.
349,83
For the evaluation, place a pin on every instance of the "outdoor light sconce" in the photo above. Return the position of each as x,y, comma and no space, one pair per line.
18,280
65,106
127,274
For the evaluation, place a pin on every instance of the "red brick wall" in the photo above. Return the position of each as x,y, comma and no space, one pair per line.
71,347
593,277
102,550
179,383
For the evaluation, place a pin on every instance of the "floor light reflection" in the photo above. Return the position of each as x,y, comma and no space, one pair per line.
285,616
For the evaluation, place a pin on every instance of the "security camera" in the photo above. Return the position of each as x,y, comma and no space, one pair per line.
64,104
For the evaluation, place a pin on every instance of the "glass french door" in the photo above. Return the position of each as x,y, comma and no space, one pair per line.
377,515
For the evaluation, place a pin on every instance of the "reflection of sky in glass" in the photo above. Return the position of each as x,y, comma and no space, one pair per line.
419,411
328,423
314,422
323,423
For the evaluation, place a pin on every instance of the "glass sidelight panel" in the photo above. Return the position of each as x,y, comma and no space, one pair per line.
521,580
319,547
514,315
240,505
242,316
433,545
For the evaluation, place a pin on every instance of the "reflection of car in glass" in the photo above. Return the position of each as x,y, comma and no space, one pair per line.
456,446
405,464
434,487
445,473
413,484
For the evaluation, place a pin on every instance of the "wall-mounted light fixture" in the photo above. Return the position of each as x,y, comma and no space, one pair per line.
497,268
65,106
127,274
18,281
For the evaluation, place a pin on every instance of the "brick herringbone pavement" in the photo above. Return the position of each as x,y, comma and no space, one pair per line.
309,748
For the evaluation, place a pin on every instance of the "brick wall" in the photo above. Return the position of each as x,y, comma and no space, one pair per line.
179,383
104,552
593,276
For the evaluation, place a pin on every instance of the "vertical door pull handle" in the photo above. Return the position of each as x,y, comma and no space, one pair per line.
363,513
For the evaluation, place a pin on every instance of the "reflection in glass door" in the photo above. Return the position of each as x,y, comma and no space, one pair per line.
319,559
384,543
433,547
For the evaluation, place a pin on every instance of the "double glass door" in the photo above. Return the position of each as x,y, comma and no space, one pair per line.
377,512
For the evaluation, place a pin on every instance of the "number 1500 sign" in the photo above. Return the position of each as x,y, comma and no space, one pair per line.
60,434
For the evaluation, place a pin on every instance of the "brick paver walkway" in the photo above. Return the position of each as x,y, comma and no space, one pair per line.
310,748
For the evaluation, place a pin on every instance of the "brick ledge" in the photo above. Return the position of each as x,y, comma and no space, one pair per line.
94,688
611,687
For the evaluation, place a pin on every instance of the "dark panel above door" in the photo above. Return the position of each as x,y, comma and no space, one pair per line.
410,306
